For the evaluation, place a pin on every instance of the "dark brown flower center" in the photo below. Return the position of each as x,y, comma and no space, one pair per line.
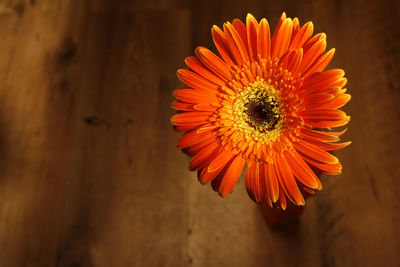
262,113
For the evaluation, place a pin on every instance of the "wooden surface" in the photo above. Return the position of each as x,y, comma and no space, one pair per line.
89,172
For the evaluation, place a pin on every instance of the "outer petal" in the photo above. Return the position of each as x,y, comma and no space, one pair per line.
241,29
220,161
310,42
302,36
325,118
287,181
191,118
320,63
197,66
214,63
252,30
252,181
195,81
311,55
282,199
332,169
264,39
237,47
271,181
302,171
321,136
292,61
326,146
195,96
193,137
182,106
264,192
315,153
204,157
281,39
321,81
335,103
296,26
196,148
221,43
227,179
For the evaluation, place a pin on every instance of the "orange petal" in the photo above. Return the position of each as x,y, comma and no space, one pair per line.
302,36
235,42
332,169
271,181
335,90
264,39
205,177
198,67
320,63
294,61
178,105
328,124
316,99
257,185
204,157
281,39
241,29
195,81
311,55
249,179
338,134
282,199
185,127
326,146
287,181
205,107
231,176
193,137
221,43
302,171
323,114
252,30
214,63
325,118
195,96
335,103
315,153
319,135
215,167
252,181
340,83
191,118
196,148
310,42
296,26
220,161
264,192
309,190
281,20
321,81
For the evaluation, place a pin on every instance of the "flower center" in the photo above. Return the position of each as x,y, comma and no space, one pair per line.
262,113
259,112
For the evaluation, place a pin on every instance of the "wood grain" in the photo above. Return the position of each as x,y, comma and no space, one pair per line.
89,172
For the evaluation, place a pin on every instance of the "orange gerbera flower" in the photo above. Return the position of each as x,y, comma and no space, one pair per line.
264,102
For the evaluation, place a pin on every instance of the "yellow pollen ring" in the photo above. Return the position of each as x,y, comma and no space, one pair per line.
252,93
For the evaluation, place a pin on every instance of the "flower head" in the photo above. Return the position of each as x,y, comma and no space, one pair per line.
265,102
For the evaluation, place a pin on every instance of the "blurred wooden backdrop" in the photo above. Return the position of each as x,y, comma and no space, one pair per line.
89,172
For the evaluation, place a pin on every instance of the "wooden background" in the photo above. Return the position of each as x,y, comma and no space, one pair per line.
89,172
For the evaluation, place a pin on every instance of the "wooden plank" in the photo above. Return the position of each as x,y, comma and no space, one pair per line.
89,172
